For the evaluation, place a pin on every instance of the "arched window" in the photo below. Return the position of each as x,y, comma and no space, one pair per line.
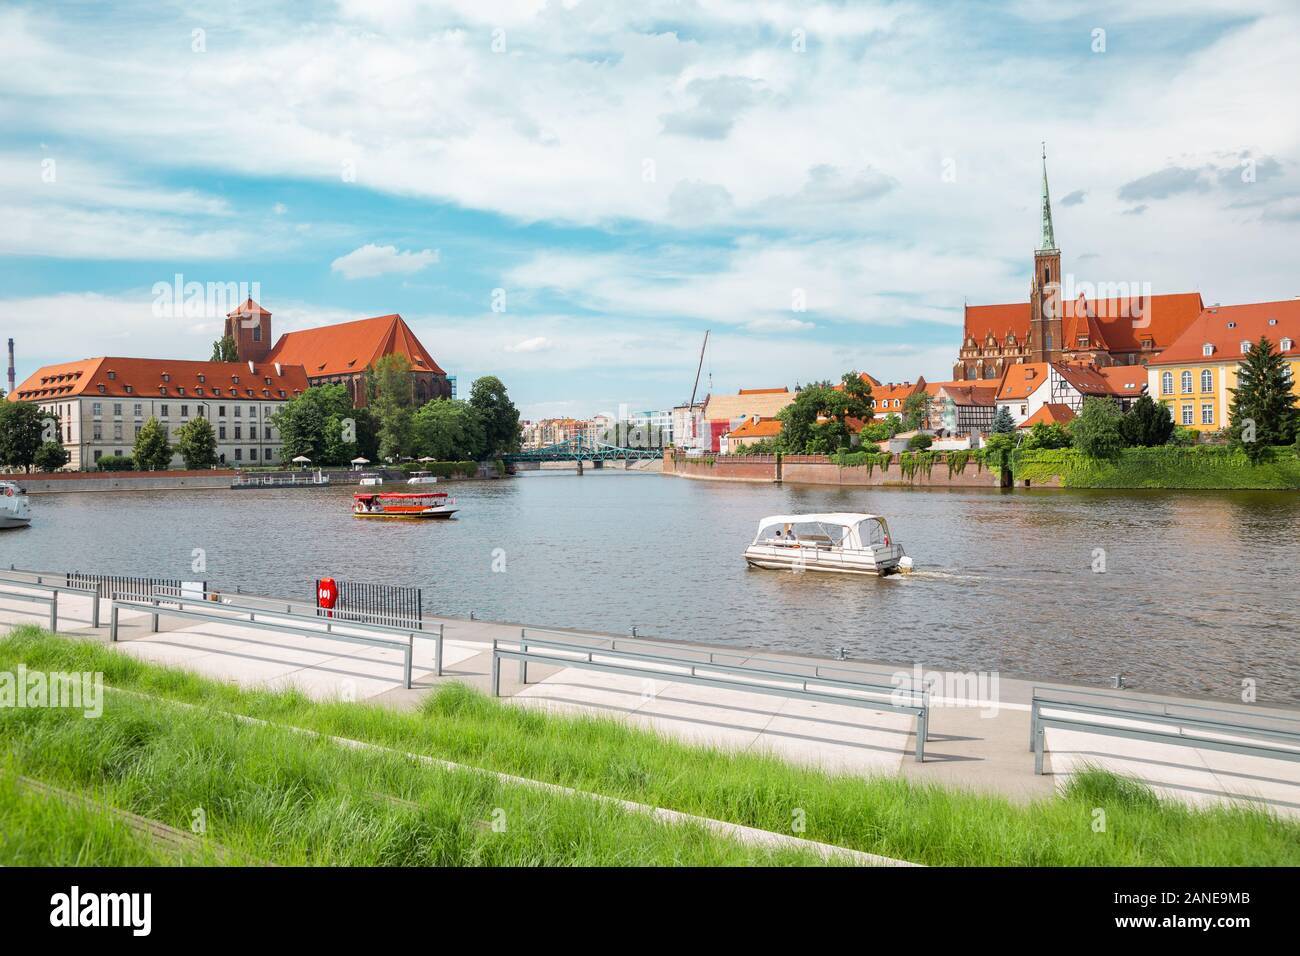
1186,379
1207,380
1167,383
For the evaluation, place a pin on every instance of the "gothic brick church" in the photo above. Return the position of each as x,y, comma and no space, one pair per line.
1129,329
339,353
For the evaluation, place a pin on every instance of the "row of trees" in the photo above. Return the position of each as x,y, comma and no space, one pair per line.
323,425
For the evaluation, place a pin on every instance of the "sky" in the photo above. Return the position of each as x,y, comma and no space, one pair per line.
569,194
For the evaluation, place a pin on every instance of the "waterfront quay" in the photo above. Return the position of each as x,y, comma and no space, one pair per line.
977,727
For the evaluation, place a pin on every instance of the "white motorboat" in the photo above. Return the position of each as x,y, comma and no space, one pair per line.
840,543
371,480
422,478
14,509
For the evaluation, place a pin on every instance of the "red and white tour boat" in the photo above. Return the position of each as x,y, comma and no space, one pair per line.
432,504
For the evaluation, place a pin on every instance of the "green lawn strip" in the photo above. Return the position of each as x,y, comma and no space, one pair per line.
883,815
270,794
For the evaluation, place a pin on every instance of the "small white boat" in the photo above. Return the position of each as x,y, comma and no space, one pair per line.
840,543
372,480
422,478
14,509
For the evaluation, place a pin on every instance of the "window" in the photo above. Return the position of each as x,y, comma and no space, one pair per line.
130,389
1167,383
1186,380
98,431
1286,345
252,432
1207,380
1245,348
257,333
117,431
137,431
139,410
96,408
162,410
117,408
221,411
1207,349
1207,414
98,453
185,411
239,432
239,454
252,454
221,432
238,411
1187,414
252,411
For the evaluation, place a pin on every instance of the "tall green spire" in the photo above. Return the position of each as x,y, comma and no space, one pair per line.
1049,239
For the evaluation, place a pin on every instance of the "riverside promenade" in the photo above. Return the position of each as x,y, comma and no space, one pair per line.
979,745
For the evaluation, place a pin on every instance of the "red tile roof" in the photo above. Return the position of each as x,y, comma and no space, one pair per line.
170,378
1021,379
352,347
762,428
1126,379
763,391
1052,413
1250,322
1121,323
967,394
248,308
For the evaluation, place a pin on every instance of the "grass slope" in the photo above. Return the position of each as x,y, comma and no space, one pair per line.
1197,467
888,816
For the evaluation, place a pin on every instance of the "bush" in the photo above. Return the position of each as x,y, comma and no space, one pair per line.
920,442
117,463
1183,437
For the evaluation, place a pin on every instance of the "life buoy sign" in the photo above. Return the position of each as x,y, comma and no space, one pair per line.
327,593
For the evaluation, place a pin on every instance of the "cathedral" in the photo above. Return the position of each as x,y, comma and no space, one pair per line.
1123,330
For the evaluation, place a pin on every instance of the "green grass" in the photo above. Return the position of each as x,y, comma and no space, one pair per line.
884,815
1197,467
268,794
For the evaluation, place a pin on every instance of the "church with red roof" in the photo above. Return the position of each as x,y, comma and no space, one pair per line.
340,353
1121,330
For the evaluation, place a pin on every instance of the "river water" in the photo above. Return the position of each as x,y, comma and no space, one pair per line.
1199,591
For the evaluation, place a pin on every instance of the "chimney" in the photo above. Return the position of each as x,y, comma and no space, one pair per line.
11,366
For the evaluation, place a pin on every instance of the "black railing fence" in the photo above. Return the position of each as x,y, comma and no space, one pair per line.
379,603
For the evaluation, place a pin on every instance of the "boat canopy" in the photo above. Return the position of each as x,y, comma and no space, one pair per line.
844,528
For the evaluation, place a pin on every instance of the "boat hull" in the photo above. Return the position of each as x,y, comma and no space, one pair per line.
398,516
9,521
863,563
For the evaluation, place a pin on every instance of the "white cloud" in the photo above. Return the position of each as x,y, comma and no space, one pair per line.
371,260
538,343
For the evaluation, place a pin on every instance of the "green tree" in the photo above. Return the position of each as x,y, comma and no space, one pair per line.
197,443
1003,423
225,350
1096,432
916,411
450,430
1263,411
500,417
999,451
51,456
23,429
392,397
1147,424
1046,435
315,424
817,421
152,453
920,441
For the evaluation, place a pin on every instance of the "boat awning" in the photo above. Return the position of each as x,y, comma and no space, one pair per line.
846,519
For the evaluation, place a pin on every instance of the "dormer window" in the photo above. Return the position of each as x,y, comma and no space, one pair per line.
1272,321
202,377
111,376
162,389
101,388
1232,325
1245,348
235,379
130,389
167,376
1287,345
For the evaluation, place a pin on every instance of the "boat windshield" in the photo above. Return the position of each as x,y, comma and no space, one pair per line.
874,532
807,533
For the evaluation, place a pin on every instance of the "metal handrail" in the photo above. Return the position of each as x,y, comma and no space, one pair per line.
878,689
926,685
155,608
1223,726
1136,699
343,615
52,602
523,655
330,623
92,593
1154,736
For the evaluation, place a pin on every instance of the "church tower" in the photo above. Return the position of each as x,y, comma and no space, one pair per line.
1045,342
250,327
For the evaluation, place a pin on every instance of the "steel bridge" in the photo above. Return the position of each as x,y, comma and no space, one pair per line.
580,449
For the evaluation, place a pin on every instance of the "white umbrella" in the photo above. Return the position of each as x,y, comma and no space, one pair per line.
428,459
301,460
360,461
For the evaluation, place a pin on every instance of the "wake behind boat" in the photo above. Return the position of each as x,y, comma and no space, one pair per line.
432,504
840,543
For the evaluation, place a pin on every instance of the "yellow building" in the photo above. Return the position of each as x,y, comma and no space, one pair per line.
1194,377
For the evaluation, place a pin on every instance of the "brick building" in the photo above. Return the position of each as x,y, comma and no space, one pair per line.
340,353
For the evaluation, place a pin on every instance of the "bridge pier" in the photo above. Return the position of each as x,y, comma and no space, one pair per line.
579,466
